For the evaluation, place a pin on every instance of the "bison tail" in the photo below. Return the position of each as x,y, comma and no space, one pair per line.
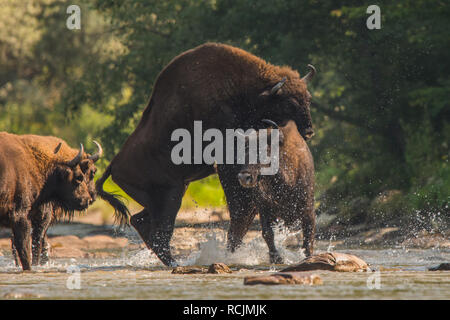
121,212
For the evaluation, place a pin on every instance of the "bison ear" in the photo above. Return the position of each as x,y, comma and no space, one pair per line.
58,147
275,89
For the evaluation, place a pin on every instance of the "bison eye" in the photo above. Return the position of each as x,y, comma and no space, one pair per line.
78,179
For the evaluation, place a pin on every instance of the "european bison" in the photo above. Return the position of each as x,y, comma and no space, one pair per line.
220,85
287,195
41,177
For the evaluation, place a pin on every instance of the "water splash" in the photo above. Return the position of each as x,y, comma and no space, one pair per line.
251,253
142,258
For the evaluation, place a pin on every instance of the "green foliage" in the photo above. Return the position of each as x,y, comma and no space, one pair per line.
388,206
204,193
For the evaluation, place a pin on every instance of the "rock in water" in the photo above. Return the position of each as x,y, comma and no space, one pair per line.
331,261
219,268
215,268
21,295
442,267
188,270
284,278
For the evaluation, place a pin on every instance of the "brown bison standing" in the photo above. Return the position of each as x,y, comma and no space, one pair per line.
288,195
222,86
38,177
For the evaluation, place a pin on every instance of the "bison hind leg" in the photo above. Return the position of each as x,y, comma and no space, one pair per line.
156,222
154,239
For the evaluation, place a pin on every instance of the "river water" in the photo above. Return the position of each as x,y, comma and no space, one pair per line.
139,275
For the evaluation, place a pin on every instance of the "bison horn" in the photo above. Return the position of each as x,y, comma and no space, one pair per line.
270,122
275,126
98,154
77,159
278,86
311,73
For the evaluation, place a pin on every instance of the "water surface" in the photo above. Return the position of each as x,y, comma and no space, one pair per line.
139,275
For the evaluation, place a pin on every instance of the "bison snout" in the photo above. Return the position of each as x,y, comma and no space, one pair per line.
309,133
247,180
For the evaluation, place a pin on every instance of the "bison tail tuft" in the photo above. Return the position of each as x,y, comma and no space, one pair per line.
121,212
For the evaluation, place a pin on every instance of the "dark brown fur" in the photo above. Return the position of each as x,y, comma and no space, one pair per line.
220,85
288,195
36,185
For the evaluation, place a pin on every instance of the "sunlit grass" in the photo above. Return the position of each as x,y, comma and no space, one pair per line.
207,192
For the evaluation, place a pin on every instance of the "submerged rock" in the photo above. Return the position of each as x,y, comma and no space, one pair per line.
188,270
381,268
219,268
215,268
442,267
284,278
21,295
331,261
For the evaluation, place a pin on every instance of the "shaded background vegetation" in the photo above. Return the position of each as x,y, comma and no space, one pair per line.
381,98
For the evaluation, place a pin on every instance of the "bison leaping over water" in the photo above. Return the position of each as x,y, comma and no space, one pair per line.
41,177
287,195
220,85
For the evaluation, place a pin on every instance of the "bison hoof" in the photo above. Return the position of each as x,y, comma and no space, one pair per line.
44,260
168,261
275,258
173,264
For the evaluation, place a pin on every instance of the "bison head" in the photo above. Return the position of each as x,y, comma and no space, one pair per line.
250,174
75,187
290,102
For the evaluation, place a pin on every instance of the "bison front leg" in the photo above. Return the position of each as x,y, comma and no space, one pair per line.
242,214
14,253
267,222
40,220
45,248
40,247
309,230
239,225
156,222
22,240
240,203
